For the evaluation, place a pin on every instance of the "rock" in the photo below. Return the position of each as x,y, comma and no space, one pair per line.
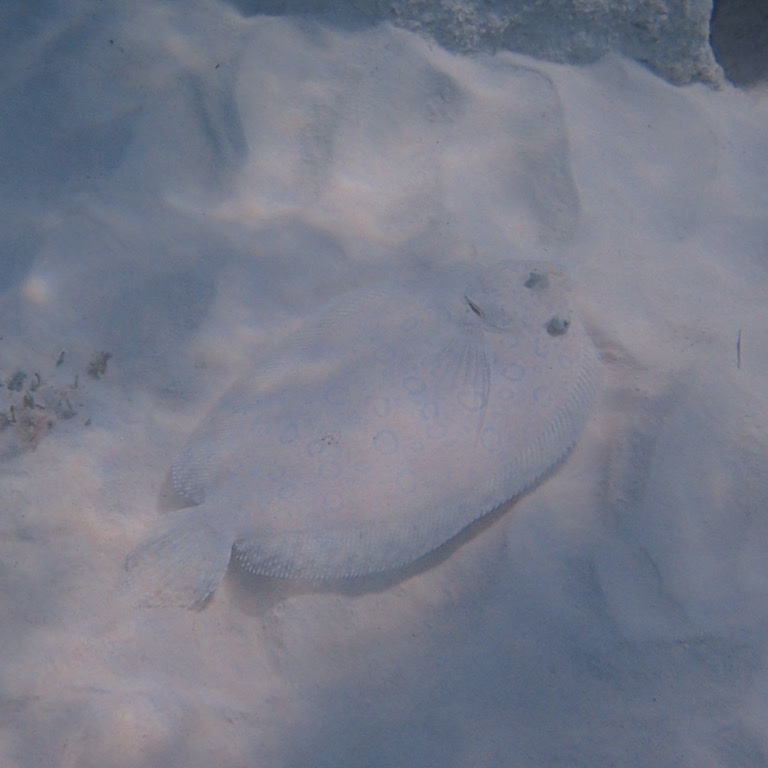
669,36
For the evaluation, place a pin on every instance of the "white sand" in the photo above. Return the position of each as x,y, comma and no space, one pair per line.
179,189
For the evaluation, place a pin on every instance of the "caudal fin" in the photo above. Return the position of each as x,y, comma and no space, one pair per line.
183,562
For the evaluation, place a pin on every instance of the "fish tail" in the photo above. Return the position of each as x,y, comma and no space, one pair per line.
183,562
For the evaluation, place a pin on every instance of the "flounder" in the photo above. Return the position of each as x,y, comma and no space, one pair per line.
394,419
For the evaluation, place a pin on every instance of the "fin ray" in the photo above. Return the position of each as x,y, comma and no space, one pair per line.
183,562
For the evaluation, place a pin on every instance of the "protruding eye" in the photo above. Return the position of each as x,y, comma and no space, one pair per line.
558,326
537,280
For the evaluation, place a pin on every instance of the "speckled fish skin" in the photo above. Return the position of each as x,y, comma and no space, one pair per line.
393,421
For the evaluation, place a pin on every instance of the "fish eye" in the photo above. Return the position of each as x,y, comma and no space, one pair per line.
558,326
537,280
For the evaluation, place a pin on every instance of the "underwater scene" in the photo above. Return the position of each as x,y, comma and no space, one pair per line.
382,385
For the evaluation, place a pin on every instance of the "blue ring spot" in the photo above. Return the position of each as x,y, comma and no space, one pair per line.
385,441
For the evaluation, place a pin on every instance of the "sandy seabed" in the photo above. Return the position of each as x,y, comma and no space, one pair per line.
180,189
